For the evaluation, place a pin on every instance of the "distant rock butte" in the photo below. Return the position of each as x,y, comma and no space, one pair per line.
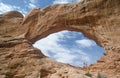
96,19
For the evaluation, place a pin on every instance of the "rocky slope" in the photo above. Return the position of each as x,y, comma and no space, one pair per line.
24,61
97,19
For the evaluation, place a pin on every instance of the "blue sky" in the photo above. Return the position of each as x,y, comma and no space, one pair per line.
65,46
24,6
70,47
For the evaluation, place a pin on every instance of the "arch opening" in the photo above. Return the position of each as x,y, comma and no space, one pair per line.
70,47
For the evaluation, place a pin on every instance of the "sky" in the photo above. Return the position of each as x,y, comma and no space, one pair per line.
24,6
70,47
64,46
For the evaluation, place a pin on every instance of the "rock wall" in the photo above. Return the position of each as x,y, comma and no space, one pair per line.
96,19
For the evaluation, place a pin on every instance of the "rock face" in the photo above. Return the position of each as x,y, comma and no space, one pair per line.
96,19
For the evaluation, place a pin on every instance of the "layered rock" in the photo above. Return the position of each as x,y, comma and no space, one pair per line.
96,19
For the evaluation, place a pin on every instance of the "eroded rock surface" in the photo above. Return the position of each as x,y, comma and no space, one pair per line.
97,19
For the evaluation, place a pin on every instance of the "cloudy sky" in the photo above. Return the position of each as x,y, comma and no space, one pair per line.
24,6
65,46
70,47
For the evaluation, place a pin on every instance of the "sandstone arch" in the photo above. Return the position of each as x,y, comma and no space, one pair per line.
99,22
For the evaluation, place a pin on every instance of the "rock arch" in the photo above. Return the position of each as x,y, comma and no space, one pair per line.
99,22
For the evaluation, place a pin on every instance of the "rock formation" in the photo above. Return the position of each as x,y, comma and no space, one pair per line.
96,19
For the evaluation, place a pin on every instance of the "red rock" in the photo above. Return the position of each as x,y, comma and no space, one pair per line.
99,21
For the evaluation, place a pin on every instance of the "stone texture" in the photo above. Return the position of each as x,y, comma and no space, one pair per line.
96,19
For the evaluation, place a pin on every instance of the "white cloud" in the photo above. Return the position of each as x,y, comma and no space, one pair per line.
65,57
31,5
64,1
6,7
61,2
51,44
33,1
85,43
